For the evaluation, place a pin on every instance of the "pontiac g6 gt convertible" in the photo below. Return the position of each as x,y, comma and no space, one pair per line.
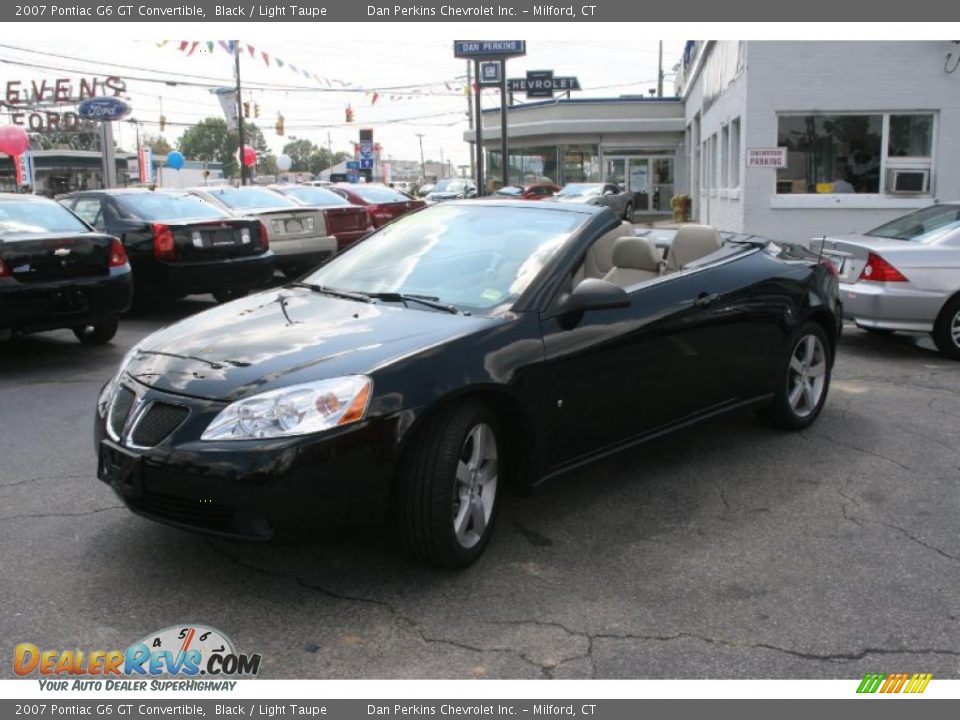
460,352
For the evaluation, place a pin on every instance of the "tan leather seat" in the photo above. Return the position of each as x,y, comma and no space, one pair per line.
692,242
599,258
635,261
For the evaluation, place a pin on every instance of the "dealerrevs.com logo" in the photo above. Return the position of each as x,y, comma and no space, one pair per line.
180,651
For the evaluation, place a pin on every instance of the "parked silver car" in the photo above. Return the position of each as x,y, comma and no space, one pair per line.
904,276
615,198
298,236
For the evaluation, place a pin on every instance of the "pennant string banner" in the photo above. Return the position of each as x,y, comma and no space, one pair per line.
189,47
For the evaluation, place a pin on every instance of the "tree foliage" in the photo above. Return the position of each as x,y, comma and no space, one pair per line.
210,141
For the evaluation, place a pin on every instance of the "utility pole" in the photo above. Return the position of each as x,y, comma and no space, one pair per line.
423,168
443,167
504,156
236,66
478,114
660,72
469,94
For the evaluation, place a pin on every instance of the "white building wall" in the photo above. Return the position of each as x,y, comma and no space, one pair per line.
845,76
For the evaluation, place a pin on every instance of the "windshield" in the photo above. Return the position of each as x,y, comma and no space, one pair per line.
581,189
168,206
249,197
451,186
28,217
379,194
316,196
921,224
509,190
478,258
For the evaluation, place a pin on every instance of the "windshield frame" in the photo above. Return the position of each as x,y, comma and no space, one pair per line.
589,190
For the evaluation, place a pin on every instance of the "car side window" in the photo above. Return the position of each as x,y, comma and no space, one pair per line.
90,210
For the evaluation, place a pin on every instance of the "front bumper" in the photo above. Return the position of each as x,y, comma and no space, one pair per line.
891,306
63,304
302,488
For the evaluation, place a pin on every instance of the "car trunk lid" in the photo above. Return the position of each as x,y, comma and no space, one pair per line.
56,256
210,240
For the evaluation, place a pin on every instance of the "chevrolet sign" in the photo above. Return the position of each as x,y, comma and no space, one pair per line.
542,84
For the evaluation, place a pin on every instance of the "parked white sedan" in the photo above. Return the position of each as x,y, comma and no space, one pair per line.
298,235
904,276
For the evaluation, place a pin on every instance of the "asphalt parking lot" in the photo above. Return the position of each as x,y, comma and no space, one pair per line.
730,551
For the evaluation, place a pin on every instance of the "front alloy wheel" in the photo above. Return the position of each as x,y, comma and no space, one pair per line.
476,490
446,497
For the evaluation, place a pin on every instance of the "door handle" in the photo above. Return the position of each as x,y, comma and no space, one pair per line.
705,299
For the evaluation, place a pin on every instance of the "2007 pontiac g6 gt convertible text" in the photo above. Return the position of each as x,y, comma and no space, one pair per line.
460,351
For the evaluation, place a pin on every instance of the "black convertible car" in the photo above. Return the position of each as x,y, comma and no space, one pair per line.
56,272
460,351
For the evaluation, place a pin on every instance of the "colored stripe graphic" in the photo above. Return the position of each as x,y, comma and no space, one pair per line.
890,683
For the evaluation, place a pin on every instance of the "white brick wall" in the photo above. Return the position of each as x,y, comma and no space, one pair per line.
825,77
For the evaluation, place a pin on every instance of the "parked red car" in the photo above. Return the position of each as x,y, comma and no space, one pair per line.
533,191
382,202
345,221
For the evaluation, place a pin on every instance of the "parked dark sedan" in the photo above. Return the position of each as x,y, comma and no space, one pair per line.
56,272
460,351
178,244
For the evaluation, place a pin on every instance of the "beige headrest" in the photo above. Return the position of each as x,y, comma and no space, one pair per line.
636,253
692,242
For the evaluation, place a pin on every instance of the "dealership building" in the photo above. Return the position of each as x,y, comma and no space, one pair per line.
785,139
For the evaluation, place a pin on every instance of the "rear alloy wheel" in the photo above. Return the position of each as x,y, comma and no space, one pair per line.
448,487
806,379
946,333
223,296
97,333
628,212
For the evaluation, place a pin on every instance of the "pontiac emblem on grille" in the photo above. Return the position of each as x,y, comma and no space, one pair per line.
62,252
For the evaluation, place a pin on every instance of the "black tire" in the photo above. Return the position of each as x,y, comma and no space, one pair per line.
223,296
782,413
98,333
427,499
947,324
628,212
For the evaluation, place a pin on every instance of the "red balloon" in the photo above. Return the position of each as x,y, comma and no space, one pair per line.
13,140
249,155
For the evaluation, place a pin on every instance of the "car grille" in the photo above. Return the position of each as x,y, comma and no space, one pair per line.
159,420
189,512
120,409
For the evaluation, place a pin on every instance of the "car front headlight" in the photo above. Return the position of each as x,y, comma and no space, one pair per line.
295,410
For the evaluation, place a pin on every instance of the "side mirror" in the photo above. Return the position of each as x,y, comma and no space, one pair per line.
593,294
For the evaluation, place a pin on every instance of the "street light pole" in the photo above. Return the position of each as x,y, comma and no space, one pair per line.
236,61
423,167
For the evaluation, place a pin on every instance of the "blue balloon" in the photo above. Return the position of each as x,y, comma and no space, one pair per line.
175,159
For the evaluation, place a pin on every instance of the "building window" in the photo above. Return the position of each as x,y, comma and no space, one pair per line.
581,163
910,136
845,153
734,154
725,156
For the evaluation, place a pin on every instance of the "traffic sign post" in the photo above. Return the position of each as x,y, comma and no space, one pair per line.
492,52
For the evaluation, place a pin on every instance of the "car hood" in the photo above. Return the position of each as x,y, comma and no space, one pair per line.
283,337
444,195
573,198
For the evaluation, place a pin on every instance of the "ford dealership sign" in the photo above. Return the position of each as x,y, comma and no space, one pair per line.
103,109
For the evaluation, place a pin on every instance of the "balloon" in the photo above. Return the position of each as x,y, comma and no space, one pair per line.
175,159
13,140
249,155
284,163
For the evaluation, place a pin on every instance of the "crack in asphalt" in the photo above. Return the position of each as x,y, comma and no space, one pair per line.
42,478
871,453
548,670
59,515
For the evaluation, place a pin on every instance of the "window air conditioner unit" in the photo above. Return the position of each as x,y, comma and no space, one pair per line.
904,181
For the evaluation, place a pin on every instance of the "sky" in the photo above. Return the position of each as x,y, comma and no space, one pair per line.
409,66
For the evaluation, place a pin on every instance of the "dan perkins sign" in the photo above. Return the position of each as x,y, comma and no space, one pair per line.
767,157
